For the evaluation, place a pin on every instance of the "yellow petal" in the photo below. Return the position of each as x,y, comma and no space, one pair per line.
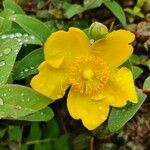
92,113
69,44
55,61
120,88
50,81
115,48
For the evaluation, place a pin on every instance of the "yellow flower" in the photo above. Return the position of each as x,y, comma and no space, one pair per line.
91,70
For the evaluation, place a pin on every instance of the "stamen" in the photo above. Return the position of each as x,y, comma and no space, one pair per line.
88,75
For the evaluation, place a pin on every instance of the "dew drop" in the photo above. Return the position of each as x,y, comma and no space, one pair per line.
12,36
31,67
22,94
18,34
26,70
7,51
13,18
25,35
1,101
32,37
4,36
91,41
4,94
2,63
18,107
19,40
42,113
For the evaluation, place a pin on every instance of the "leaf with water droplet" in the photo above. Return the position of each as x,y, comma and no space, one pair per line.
16,104
5,25
9,50
120,116
42,115
33,26
26,67
10,4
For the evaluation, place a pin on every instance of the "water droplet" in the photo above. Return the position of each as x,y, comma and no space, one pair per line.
22,94
11,36
7,51
31,67
4,36
4,94
32,37
18,34
42,113
2,63
100,107
22,100
18,107
1,101
26,40
19,40
26,70
1,54
13,18
28,99
91,41
25,35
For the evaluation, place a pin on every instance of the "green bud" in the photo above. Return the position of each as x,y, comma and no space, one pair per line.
97,30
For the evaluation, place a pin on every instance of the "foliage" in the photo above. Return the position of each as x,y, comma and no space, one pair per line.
26,117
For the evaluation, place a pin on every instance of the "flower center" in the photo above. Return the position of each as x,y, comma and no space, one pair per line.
89,74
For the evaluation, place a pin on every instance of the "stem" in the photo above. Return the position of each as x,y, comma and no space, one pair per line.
40,141
145,91
92,143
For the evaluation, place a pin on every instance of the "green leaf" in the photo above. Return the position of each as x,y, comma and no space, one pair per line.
32,26
62,141
120,116
26,67
52,129
137,71
5,25
10,4
146,85
88,4
14,133
8,52
18,101
73,10
45,114
116,10
35,132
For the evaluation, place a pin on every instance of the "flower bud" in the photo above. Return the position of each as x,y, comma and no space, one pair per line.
97,30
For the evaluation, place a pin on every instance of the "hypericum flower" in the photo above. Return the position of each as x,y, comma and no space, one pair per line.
91,70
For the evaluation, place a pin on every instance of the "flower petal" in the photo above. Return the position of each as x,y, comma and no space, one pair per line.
120,88
92,113
69,44
115,48
50,81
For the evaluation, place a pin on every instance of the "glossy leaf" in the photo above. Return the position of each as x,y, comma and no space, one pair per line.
116,10
146,85
32,26
10,4
45,114
8,53
18,101
120,116
29,64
